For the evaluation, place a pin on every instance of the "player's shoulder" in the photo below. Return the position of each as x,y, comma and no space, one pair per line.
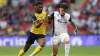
43,11
33,16
67,15
56,12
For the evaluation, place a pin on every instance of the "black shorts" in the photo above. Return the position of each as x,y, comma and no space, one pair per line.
32,37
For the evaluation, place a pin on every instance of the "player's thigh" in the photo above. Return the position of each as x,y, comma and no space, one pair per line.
31,38
30,41
64,38
41,40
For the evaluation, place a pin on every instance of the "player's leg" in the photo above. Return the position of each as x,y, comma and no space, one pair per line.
67,43
41,40
22,52
29,42
55,49
56,41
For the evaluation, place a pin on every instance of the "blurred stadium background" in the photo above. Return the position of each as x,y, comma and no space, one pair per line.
15,23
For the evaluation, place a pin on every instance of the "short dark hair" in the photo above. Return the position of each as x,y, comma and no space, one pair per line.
64,5
39,3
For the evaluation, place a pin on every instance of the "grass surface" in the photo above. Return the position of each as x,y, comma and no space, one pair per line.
74,51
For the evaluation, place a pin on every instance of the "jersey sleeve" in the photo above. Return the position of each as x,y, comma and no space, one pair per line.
33,17
52,15
67,17
70,19
51,18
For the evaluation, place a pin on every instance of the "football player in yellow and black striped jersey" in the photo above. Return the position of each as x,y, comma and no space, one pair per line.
38,30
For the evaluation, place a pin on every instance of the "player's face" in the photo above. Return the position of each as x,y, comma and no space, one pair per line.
62,11
39,8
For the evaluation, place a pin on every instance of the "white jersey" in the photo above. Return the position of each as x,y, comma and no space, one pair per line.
60,23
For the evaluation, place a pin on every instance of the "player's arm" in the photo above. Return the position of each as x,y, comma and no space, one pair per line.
46,18
73,24
50,18
36,23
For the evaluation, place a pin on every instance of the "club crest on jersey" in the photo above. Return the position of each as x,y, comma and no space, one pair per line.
62,21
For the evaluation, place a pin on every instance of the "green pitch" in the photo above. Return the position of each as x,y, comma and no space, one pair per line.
74,51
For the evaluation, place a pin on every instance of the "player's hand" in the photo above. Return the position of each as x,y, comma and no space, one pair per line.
76,30
37,25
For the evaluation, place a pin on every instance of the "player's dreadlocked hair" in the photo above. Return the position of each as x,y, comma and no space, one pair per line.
64,5
39,3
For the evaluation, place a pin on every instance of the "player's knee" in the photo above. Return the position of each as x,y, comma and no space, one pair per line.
66,41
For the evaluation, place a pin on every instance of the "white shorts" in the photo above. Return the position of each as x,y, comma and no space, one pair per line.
60,38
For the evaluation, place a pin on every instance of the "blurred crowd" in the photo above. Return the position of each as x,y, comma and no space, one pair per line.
87,18
15,16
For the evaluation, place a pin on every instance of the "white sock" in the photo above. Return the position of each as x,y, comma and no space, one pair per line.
52,54
67,48
31,55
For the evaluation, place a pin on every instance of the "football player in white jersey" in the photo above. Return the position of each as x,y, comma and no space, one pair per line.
60,19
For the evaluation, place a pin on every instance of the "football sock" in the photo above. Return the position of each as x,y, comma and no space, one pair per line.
21,53
67,48
37,50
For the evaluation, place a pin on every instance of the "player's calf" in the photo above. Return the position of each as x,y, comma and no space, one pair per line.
41,42
22,52
55,49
